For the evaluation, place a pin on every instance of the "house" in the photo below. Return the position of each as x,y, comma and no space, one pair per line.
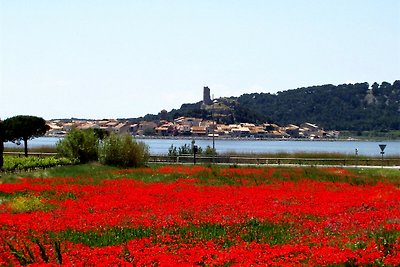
277,134
67,127
310,130
146,128
133,128
270,127
222,129
55,129
257,131
199,130
121,128
240,132
312,127
165,129
88,125
184,129
188,121
293,130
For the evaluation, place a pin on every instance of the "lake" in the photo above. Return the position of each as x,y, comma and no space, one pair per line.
160,146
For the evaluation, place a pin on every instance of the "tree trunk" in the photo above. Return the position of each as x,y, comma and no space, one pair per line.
26,146
1,153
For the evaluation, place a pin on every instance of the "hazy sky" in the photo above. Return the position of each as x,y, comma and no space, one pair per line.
119,59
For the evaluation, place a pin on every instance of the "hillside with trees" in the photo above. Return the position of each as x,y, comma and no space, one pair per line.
355,107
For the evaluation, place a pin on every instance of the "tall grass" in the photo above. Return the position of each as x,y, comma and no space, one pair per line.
307,155
38,149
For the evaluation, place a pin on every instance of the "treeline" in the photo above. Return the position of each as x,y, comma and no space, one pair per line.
354,107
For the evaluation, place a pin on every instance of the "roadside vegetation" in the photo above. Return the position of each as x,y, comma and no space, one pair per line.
18,164
85,146
80,147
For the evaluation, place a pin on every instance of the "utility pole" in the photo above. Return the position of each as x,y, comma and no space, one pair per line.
213,129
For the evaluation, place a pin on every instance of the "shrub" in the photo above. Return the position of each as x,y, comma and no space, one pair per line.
186,149
209,151
79,145
12,163
123,151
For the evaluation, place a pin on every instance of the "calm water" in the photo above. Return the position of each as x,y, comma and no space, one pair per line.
160,146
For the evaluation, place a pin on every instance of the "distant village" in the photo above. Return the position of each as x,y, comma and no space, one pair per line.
193,127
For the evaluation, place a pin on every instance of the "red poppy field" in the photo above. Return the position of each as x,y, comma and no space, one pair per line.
202,216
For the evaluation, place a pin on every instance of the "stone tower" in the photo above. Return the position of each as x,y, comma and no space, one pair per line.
206,96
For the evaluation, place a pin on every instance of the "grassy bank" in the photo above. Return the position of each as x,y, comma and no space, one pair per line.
214,175
39,149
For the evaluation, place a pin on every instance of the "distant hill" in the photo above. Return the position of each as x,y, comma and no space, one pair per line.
356,107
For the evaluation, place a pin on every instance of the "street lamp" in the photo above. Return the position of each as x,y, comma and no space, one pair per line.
213,129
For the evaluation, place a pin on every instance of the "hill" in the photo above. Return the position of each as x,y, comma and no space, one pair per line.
356,107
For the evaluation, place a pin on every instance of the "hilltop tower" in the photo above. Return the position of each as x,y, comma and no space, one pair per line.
206,96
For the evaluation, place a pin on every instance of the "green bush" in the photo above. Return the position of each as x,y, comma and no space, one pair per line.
12,163
186,149
123,151
209,151
79,145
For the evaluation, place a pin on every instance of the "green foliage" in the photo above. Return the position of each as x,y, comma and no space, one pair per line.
123,151
22,128
342,107
90,173
148,131
2,138
172,151
209,151
79,145
12,163
250,231
386,239
25,255
107,237
101,133
266,232
187,150
28,204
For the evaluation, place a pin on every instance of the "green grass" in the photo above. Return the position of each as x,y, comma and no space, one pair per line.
108,237
98,172
250,231
24,204
38,149
379,174
307,155
92,170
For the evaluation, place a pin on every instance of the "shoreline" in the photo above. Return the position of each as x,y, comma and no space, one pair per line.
228,138
261,139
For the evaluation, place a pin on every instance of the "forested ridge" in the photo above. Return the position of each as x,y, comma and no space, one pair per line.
356,107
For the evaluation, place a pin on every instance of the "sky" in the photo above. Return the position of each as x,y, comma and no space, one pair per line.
124,59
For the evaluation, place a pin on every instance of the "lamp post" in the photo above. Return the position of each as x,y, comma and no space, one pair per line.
213,129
